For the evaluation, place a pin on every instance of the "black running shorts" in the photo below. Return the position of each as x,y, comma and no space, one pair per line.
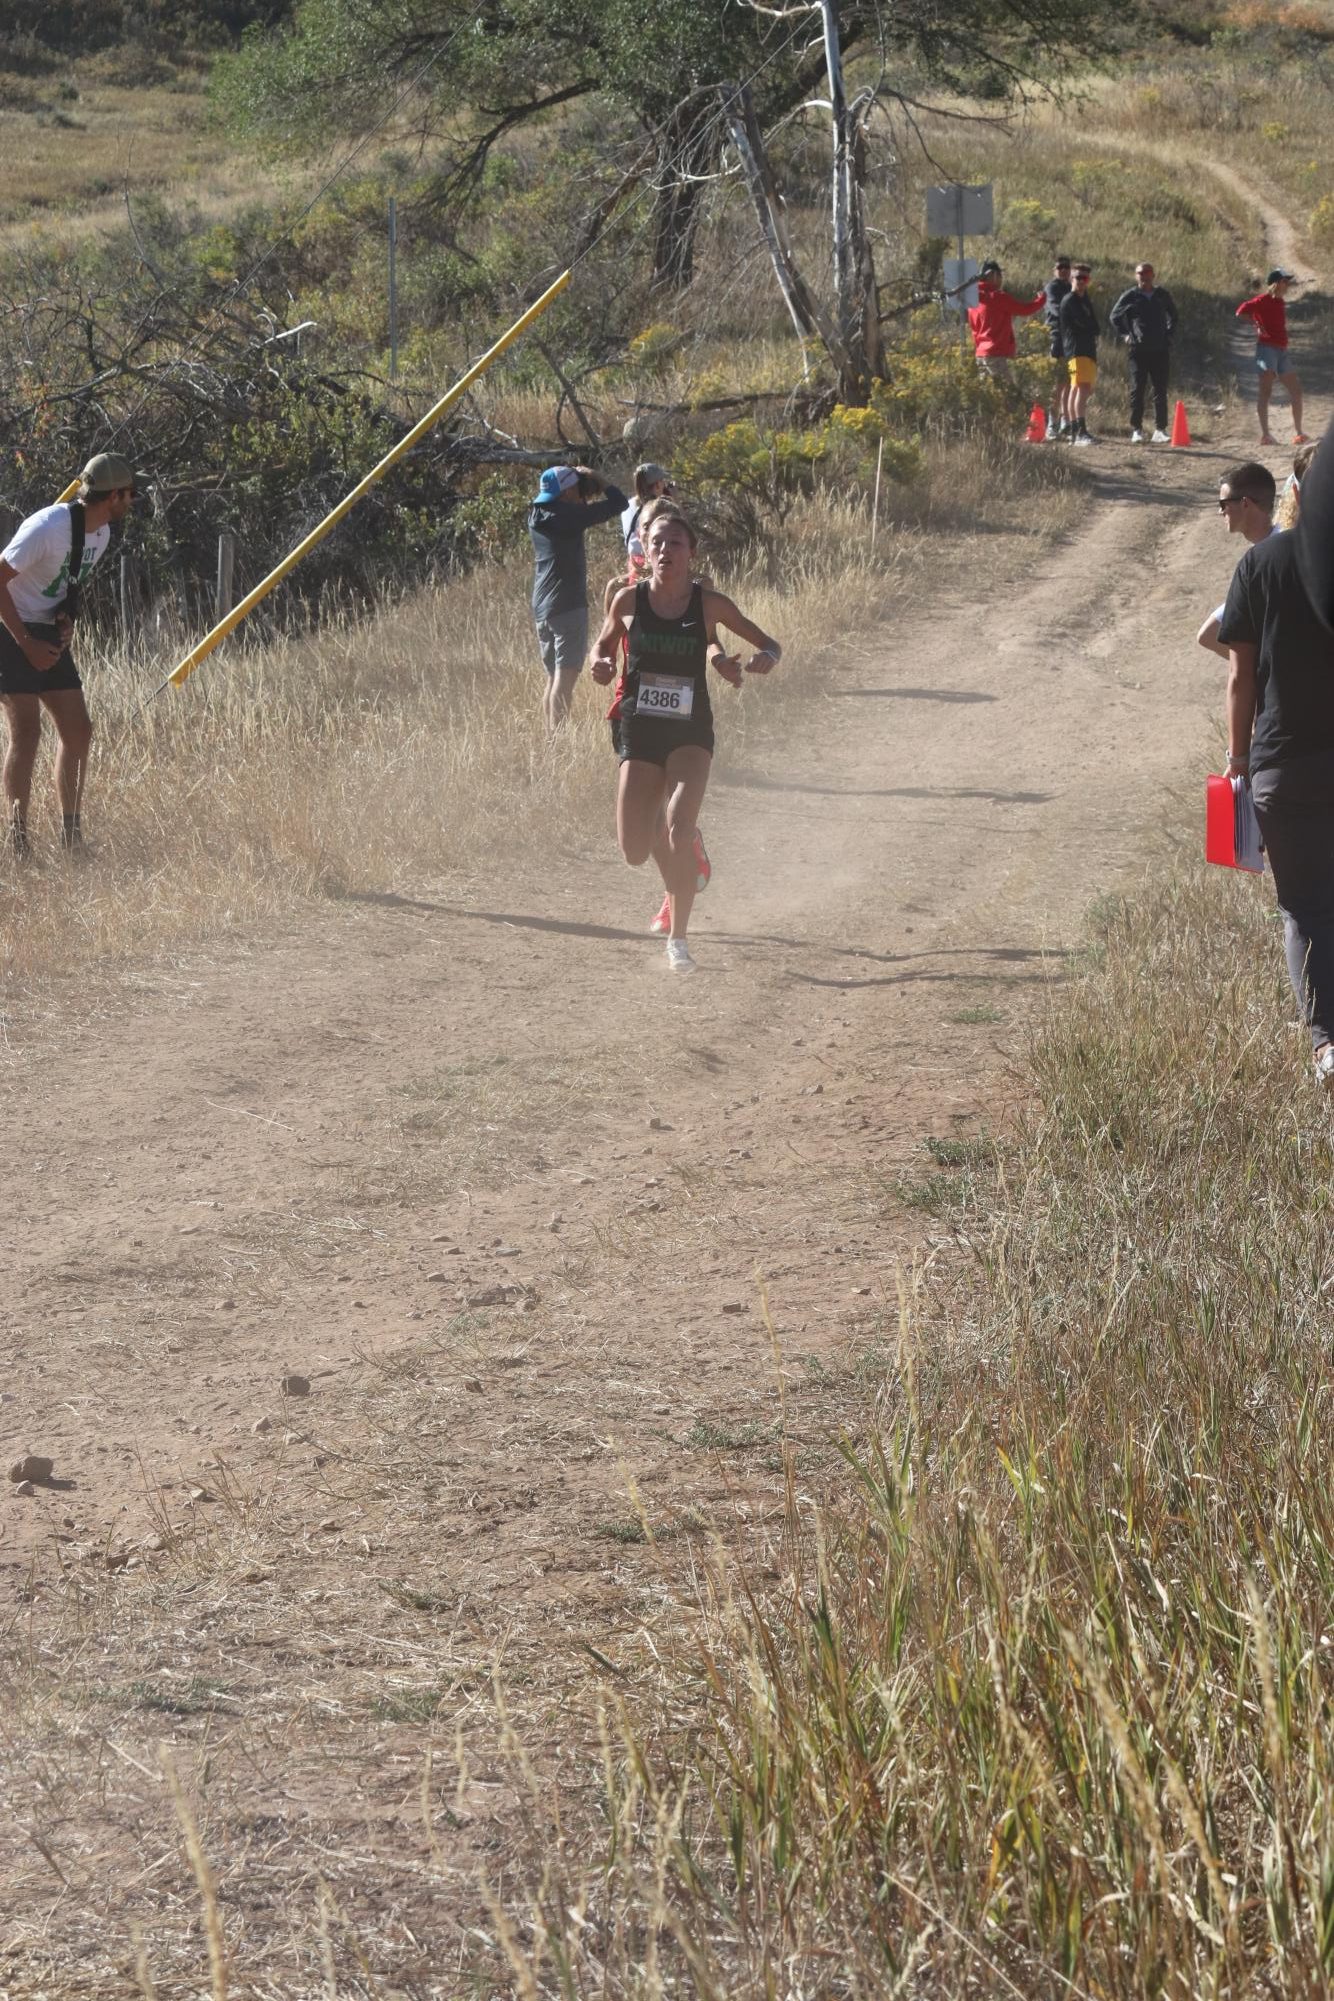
17,677
649,741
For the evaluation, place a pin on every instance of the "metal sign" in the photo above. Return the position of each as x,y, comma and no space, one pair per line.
960,283
958,210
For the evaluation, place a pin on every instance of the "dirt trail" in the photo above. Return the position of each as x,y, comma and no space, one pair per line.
506,1193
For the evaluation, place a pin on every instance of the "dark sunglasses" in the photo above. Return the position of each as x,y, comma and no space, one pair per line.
1227,500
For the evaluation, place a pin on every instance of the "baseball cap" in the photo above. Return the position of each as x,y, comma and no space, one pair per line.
1061,259
108,470
651,473
1277,273
555,481
990,266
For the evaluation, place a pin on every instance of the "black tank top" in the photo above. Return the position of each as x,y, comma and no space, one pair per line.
667,674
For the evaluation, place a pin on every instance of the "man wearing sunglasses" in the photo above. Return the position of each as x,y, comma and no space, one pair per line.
1246,503
42,571
1080,328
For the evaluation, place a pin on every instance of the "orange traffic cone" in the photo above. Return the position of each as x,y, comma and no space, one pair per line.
1180,428
1036,434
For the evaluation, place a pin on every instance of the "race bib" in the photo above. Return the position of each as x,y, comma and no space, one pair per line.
671,696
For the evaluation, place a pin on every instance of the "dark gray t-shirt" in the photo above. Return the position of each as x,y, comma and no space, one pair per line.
1267,607
557,529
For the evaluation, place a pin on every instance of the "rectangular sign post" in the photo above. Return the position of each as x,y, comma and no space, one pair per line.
960,283
959,210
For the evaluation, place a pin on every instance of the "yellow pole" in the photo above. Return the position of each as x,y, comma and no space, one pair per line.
69,492
405,444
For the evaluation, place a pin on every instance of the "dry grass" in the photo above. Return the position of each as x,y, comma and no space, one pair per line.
407,747
75,141
1034,1701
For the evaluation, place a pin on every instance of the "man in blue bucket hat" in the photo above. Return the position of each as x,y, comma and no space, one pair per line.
569,501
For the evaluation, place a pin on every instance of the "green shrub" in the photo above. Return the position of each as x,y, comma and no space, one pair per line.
1320,224
934,382
748,478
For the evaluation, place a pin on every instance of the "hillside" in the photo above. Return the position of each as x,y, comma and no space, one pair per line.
570,1482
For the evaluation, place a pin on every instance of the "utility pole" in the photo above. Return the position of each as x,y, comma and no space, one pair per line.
393,288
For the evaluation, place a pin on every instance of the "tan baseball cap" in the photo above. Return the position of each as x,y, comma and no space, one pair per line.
107,471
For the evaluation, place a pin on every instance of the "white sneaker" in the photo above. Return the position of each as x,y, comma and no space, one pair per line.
1160,438
1083,438
1137,437
1324,1067
678,957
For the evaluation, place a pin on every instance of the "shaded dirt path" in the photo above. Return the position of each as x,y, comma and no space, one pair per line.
512,1200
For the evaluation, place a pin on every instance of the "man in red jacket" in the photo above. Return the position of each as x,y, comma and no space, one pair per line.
1268,313
992,320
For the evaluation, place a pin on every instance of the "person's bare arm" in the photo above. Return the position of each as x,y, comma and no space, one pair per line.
719,610
1240,706
38,653
607,644
1207,637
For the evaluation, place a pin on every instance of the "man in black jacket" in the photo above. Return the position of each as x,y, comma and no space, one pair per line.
1080,328
1146,318
569,501
1058,288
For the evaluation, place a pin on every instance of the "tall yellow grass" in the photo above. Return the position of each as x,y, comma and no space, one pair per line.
404,746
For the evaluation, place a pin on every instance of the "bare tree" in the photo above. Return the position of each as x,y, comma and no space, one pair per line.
851,337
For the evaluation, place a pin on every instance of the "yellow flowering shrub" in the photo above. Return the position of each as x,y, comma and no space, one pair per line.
1320,224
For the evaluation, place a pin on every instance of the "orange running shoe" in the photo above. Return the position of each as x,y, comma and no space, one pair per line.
662,923
703,866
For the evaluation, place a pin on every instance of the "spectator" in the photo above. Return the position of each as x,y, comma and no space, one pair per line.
1315,531
1056,289
42,572
1268,312
1289,506
1079,344
992,320
1146,319
569,501
1246,503
651,483
1280,717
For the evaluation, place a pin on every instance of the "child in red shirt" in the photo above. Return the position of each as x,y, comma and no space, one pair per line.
1268,313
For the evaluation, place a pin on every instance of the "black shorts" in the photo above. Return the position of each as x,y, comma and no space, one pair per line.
649,741
17,677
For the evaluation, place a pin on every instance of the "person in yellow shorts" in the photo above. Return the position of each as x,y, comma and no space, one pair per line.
1080,328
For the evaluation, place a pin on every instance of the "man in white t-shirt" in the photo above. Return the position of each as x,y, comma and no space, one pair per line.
38,607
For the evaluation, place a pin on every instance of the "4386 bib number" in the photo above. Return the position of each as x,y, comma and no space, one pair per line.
669,696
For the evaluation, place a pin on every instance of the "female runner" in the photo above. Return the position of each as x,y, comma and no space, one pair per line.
637,561
662,718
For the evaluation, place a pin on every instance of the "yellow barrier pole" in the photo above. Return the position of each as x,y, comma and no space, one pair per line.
69,492
405,444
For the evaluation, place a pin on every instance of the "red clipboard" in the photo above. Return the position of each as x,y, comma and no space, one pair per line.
1226,806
